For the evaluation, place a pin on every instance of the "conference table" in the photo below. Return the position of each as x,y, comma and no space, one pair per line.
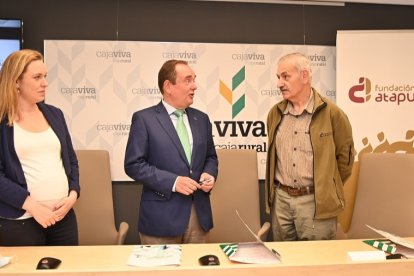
298,258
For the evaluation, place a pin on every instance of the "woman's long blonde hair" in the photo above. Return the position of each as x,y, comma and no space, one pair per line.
12,70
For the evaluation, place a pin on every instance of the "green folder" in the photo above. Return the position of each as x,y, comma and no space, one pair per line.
383,245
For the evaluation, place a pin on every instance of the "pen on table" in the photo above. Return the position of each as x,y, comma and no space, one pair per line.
276,253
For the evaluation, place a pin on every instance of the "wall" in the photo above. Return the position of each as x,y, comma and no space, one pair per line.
179,20
188,21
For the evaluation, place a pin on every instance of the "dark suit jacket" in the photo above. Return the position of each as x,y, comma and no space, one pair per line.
155,157
13,185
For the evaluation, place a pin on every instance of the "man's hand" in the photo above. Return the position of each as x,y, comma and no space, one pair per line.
186,185
207,182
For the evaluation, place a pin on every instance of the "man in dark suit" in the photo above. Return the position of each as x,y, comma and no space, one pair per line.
177,176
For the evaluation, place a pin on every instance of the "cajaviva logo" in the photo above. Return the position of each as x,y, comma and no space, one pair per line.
361,92
227,93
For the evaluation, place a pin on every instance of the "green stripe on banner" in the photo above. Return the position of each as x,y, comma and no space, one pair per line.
238,78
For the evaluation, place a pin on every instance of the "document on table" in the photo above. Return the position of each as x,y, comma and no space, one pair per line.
254,253
403,246
155,255
250,252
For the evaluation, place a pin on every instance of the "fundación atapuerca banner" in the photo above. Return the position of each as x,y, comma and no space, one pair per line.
376,88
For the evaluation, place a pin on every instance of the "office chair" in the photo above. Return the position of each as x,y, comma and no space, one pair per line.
236,188
94,208
350,190
384,196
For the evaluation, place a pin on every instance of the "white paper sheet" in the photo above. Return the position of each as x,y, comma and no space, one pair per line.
155,255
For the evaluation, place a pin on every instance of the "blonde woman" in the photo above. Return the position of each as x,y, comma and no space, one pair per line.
39,174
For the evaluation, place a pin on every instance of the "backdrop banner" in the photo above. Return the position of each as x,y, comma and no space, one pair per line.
100,84
376,88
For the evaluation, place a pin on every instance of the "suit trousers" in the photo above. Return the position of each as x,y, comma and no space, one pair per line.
193,234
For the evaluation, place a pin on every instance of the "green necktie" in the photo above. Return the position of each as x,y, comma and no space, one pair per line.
182,133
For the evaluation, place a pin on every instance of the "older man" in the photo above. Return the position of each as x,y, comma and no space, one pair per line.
310,156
